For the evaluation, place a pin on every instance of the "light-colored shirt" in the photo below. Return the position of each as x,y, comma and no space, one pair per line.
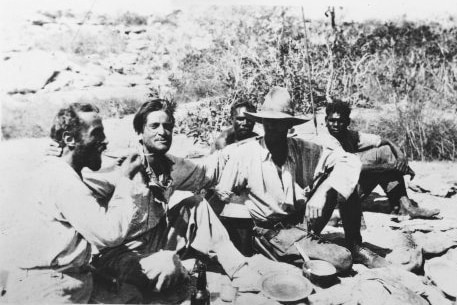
352,141
274,192
186,174
64,218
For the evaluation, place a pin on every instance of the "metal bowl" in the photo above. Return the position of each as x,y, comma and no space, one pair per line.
286,287
320,272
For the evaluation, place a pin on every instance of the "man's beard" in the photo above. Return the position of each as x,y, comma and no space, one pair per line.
87,156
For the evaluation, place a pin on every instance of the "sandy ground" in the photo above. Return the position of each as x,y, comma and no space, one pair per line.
382,233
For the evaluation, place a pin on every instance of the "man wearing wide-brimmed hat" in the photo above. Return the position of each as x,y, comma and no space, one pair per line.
292,185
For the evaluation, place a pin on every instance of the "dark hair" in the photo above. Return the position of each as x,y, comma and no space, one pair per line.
240,103
150,106
67,120
338,106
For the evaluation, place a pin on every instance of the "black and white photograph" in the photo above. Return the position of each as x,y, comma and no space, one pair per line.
229,152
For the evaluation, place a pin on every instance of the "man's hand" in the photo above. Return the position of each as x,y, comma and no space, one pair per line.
316,203
401,165
164,268
130,165
53,149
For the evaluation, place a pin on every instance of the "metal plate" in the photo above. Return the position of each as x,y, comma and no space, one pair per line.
286,287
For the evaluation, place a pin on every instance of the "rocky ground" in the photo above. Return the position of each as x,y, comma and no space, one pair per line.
406,243
51,59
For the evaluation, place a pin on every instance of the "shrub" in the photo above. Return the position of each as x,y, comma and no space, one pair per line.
129,18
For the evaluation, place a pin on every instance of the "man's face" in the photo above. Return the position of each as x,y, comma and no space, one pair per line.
158,132
275,130
336,124
241,124
92,141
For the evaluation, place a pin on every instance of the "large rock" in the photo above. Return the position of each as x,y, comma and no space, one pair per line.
443,273
436,242
30,71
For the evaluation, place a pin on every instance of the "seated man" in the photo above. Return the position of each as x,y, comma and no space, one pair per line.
241,128
383,162
234,215
52,247
286,179
162,235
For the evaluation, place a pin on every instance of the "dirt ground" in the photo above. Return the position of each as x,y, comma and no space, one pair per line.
383,232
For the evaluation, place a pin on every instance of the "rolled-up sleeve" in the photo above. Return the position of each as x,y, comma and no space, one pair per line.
197,174
345,172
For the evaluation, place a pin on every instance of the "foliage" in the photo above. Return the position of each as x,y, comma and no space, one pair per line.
130,18
412,66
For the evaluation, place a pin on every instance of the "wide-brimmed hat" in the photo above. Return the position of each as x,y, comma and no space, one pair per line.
277,106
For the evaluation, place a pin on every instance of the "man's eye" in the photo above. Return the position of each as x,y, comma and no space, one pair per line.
168,126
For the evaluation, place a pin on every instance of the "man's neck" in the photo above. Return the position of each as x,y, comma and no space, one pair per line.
278,150
68,157
157,162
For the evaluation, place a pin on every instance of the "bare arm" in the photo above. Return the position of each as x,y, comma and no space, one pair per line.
401,164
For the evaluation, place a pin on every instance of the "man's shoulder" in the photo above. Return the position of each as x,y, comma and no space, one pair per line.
304,144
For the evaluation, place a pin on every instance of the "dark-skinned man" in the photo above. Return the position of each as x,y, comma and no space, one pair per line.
234,215
292,185
383,163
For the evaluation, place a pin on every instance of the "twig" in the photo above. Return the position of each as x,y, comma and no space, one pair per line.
308,59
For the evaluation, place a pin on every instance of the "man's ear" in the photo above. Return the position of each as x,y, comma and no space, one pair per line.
69,139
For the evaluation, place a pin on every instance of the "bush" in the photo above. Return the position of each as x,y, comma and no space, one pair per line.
129,18
409,64
430,135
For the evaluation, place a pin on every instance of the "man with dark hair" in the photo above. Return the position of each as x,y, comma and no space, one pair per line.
234,215
383,162
286,179
163,235
241,128
53,246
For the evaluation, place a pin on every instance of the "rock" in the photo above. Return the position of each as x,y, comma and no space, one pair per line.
118,80
451,255
28,72
435,185
443,273
436,242
135,29
406,254
423,225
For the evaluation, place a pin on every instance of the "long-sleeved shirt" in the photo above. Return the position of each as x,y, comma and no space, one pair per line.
274,192
186,174
65,218
153,205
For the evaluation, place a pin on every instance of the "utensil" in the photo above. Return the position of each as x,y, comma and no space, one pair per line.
286,286
319,272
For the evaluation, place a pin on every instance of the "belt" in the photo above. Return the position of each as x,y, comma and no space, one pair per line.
287,222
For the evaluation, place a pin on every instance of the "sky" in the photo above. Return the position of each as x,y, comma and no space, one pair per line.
357,10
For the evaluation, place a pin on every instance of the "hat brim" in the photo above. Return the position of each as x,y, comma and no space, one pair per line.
275,115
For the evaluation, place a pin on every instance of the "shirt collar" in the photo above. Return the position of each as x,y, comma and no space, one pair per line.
266,155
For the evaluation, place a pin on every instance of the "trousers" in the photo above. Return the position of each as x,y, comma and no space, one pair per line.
391,182
190,225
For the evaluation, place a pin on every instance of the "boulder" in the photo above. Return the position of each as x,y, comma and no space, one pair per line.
443,273
434,243
29,72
